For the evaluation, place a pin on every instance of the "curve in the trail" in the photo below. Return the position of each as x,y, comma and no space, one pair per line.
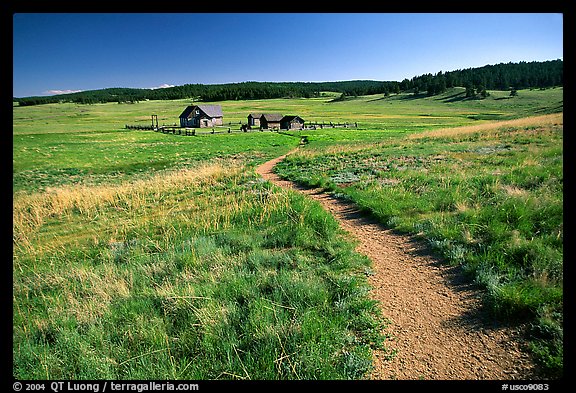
437,329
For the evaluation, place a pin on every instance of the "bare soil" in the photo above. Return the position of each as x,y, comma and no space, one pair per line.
437,327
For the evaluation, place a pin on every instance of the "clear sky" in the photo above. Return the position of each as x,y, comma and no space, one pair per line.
63,52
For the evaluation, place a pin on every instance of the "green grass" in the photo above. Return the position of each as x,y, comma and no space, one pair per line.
489,200
215,275
51,159
143,255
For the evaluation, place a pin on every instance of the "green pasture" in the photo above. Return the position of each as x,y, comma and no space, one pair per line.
402,111
138,254
69,143
114,156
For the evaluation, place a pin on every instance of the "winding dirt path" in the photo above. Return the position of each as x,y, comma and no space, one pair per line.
437,329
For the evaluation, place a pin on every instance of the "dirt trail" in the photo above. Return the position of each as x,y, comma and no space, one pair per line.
437,328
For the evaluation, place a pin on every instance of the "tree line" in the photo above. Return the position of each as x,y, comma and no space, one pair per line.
504,76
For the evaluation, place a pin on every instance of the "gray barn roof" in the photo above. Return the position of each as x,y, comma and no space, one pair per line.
290,118
209,110
272,117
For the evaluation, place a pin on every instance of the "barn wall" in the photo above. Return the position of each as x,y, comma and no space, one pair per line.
206,122
253,121
271,124
186,122
294,124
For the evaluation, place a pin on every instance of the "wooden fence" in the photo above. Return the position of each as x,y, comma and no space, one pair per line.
228,130
316,125
138,127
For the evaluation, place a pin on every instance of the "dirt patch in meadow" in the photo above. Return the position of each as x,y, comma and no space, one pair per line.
437,328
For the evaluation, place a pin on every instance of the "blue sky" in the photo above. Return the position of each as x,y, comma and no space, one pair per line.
63,52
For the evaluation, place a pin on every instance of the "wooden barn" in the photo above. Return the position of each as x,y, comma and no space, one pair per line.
291,123
201,116
270,120
254,119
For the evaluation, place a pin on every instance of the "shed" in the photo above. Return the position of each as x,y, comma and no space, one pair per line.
291,123
201,116
270,120
254,119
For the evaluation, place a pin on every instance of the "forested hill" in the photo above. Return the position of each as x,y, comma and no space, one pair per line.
502,76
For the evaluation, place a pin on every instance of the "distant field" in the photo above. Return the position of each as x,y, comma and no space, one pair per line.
146,255
68,143
378,111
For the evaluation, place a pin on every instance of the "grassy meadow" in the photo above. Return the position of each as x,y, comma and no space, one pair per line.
487,197
142,255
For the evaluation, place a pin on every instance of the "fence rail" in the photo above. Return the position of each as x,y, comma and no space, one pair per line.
174,129
138,127
315,125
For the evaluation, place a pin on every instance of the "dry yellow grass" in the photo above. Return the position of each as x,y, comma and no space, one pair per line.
492,127
86,292
30,211
95,291
514,191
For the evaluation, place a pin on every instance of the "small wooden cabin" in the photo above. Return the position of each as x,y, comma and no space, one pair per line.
201,116
291,123
270,120
254,119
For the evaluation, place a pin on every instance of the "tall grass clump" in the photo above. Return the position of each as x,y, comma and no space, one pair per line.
488,198
204,274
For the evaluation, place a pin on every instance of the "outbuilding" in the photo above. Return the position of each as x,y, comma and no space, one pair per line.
291,123
254,119
270,121
201,116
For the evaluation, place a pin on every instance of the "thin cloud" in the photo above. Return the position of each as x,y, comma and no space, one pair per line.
57,92
162,86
